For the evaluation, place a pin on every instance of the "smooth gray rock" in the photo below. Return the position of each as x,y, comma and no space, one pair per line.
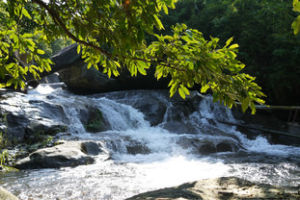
90,148
6,195
68,154
209,146
28,121
135,147
224,188
79,79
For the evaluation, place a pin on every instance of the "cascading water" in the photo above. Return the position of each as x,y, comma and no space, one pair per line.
184,146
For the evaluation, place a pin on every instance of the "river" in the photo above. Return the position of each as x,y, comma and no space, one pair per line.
150,154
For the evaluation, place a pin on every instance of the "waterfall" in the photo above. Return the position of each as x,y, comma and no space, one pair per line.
185,142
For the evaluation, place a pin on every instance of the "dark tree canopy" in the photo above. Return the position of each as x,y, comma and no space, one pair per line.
111,34
262,28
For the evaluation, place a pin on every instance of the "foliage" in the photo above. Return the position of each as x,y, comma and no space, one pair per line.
111,34
3,140
95,122
13,40
261,28
296,22
3,157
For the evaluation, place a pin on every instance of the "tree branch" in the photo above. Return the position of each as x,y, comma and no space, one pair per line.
58,21
61,24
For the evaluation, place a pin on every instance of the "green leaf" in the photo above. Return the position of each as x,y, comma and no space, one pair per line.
234,46
204,88
27,35
173,89
253,108
296,25
165,9
109,72
78,49
296,6
89,65
40,51
116,73
181,93
228,42
184,89
158,23
25,13
141,66
245,104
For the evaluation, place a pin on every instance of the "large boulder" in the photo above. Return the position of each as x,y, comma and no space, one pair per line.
73,71
67,154
6,195
79,79
228,188
26,120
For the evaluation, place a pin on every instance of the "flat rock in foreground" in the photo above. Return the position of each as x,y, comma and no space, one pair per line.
68,154
229,188
6,195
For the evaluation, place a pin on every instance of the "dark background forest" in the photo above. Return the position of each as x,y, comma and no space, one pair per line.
262,28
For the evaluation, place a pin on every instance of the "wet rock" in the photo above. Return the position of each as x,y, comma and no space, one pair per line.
208,148
15,124
137,148
180,127
267,122
68,154
153,108
52,78
153,104
226,146
220,189
74,73
6,195
93,120
90,148
81,80
27,121
37,131
177,118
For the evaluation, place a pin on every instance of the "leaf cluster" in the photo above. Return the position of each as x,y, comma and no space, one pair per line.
262,28
19,52
111,35
296,22
191,61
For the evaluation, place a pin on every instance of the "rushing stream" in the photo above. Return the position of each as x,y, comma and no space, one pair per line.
147,154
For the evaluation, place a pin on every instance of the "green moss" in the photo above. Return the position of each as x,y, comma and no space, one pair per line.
95,124
3,140
5,160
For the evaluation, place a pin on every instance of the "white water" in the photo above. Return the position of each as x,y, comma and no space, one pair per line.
170,158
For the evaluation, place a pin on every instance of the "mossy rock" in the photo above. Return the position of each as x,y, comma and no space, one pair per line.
95,121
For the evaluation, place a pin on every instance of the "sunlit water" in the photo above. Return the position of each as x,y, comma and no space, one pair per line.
168,162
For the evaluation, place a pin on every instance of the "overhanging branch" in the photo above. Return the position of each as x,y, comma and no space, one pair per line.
57,20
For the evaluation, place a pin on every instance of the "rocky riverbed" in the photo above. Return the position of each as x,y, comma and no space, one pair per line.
120,144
